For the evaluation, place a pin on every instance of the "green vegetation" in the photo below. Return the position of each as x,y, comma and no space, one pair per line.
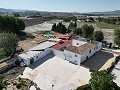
100,80
45,32
11,24
21,85
3,84
98,36
117,37
68,19
103,25
100,25
87,30
78,31
112,20
8,42
2,54
59,28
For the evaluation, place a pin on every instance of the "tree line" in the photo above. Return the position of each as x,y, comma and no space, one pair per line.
112,20
60,28
68,19
86,31
11,24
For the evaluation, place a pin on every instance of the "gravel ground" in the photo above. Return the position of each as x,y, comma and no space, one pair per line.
39,27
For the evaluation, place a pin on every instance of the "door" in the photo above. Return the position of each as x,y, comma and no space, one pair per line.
31,60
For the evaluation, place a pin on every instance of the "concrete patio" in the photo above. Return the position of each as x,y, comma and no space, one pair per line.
55,73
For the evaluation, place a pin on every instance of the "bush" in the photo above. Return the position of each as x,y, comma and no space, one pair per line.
117,59
84,87
21,84
91,70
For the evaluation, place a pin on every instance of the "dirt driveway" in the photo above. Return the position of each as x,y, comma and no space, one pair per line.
99,61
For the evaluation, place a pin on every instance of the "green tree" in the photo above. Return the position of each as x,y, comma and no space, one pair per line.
11,24
19,25
87,30
3,83
8,41
91,19
16,15
78,31
102,80
98,36
54,27
117,37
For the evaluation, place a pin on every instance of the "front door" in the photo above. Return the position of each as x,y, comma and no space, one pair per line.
31,60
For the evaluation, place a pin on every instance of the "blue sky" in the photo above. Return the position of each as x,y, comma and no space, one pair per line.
62,5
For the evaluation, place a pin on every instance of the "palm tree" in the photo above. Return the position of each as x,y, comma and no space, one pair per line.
3,83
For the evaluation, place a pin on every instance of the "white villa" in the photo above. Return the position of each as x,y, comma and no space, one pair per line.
76,52
79,51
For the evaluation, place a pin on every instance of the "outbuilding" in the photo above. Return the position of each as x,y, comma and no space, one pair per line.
36,53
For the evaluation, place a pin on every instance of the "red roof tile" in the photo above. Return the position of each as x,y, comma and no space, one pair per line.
65,43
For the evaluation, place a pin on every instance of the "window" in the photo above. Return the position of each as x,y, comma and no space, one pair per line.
75,55
22,60
36,56
90,51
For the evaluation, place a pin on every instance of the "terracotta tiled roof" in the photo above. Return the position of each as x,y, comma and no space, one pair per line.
65,43
83,48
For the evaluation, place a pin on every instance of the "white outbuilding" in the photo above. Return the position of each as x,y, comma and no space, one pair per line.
36,53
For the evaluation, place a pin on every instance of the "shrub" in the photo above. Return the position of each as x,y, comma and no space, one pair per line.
21,84
117,59
91,70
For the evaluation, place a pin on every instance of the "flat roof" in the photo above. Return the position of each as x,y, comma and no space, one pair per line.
43,45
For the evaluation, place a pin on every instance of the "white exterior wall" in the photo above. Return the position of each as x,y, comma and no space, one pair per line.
78,43
70,56
27,62
58,53
41,55
44,53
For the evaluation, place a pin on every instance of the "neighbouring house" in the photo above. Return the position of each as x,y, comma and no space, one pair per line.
79,51
36,53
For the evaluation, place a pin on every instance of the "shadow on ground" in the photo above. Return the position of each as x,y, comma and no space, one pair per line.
97,60
27,36
40,61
